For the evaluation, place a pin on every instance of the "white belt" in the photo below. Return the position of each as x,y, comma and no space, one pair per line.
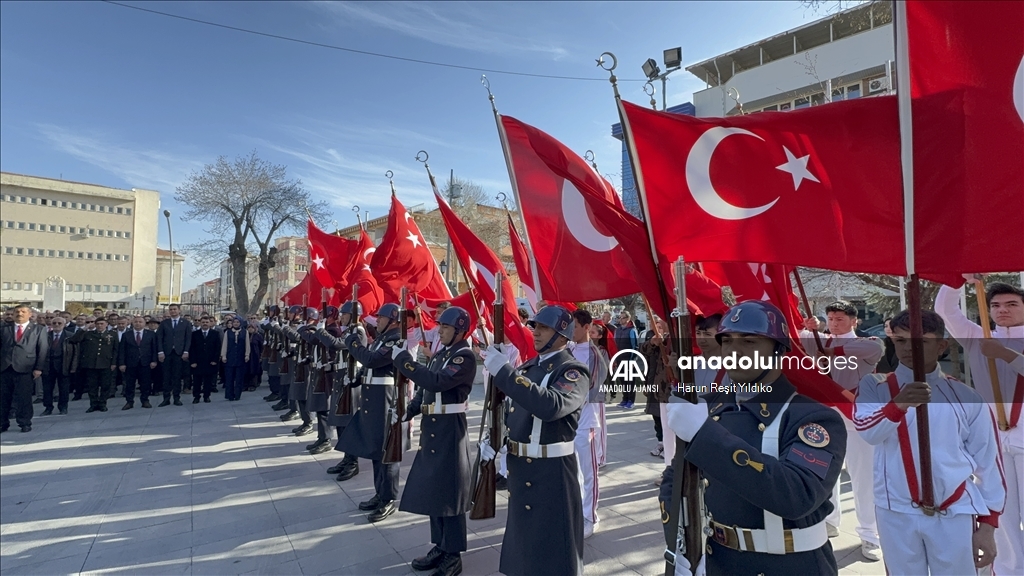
757,540
382,381
445,408
556,450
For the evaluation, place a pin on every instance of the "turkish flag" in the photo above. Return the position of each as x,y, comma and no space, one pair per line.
330,256
403,259
307,292
466,301
967,111
360,276
577,259
816,187
482,266
521,258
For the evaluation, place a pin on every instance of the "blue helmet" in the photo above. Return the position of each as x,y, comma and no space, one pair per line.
347,307
556,318
312,313
455,317
755,317
331,313
275,310
294,310
391,311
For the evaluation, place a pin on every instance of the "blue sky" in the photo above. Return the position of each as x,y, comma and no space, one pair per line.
103,94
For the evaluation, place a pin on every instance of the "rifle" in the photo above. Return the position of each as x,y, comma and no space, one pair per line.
344,407
393,438
283,342
301,369
320,387
485,489
685,515
266,352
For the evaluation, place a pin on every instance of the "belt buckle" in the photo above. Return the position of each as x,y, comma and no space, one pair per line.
719,535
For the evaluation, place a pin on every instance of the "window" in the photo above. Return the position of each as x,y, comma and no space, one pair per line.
91,231
107,257
67,287
17,285
43,201
120,210
31,200
853,91
60,253
61,229
31,225
110,233
51,253
81,255
124,289
31,252
88,255
8,224
127,235
39,288
51,228
106,287
7,285
21,225
125,258
801,103
128,211
78,287
8,250
88,287
19,251
817,99
21,199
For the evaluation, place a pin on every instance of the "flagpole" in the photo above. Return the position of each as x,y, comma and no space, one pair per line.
903,96
503,137
433,184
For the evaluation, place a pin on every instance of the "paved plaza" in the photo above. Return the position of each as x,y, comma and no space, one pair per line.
224,488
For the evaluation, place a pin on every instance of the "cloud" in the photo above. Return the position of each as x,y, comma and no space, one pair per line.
140,168
425,21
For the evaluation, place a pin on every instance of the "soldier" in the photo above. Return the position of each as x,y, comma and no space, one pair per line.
300,373
333,336
97,356
270,355
770,456
364,436
545,498
287,362
439,483
318,391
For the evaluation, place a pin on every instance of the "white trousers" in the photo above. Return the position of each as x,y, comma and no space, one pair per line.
860,461
668,434
1010,535
915,544
586,455
602,435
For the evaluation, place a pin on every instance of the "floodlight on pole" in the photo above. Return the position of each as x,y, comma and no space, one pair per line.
673,58
650,68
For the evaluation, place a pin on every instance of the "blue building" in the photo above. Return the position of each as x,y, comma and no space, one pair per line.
629,194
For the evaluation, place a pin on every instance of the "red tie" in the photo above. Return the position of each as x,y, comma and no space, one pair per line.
18,333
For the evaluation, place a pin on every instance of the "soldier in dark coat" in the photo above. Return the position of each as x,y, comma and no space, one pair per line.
297,395
97,356
333,336
270,355
438,485
286,361
769,456
544,533
318,389
365,434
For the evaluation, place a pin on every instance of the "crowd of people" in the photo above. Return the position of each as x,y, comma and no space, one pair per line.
770,457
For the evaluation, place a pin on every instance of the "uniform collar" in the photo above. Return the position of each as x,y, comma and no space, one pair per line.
906,374
849,335
1010,332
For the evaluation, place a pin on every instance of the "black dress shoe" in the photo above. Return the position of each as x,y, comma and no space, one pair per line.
47,412
371,504
451,565
91,409
26,428
206,400
314,444
290,415
430,561
383,512
324,447
177,402
146,404
128,406
166,402
349,472
102,408
195,400
303,430
500,482
280,405
37,401
64,411
337,468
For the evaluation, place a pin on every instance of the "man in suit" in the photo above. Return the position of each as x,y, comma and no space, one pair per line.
136,359
173,340
204,353
23,349
58,367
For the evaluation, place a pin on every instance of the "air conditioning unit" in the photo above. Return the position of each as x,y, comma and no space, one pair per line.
878,85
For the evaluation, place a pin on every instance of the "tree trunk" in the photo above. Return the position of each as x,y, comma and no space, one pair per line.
237,255
261,289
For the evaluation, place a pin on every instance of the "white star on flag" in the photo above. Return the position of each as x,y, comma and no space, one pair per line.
412,237
318,261
797,167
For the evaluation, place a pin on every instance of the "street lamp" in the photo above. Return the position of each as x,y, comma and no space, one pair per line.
673,58
170,242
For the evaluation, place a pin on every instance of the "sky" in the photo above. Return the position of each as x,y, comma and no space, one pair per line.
99,93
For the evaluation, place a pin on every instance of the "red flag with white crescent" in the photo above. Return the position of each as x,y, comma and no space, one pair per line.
403,259
330,256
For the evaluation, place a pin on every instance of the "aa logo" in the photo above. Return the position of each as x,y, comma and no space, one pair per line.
626,368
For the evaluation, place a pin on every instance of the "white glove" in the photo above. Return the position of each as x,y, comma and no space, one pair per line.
321,324
396,350
486,452
683,566
394,415
685,418
495,358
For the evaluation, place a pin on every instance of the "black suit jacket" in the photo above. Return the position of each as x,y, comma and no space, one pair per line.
27,355
178,339
60,357
204,351
134,355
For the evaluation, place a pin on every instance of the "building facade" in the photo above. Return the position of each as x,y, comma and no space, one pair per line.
290,265
101,241
168,280
226,297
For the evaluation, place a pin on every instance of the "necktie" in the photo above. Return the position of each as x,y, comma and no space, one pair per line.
174,324
138,338
56,336
18,333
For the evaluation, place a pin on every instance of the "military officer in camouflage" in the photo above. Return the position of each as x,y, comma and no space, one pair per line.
438,485
333,337
364,436
544,533
769,456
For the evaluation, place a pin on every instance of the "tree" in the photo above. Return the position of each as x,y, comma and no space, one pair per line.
246,202
490,225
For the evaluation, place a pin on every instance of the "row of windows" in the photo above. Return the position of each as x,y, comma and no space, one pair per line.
875,85
65,204
32,226
15,251
108,288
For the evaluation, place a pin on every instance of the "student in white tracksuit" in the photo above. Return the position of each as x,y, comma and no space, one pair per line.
966,462
859,355
1006,308
589,425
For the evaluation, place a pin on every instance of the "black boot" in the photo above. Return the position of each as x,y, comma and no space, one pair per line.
303,430
337,468
290,415
274,396
451,565
349,471
430,561
371,504
383,512
324,446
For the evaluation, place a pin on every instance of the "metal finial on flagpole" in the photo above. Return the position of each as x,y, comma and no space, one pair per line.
735,95
602,64
649,90
503,198
391,179
589,157
490,95
422,156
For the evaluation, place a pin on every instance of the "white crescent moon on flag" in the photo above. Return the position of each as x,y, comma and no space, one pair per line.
698,176
368,252
1018,90
574,212
486,277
